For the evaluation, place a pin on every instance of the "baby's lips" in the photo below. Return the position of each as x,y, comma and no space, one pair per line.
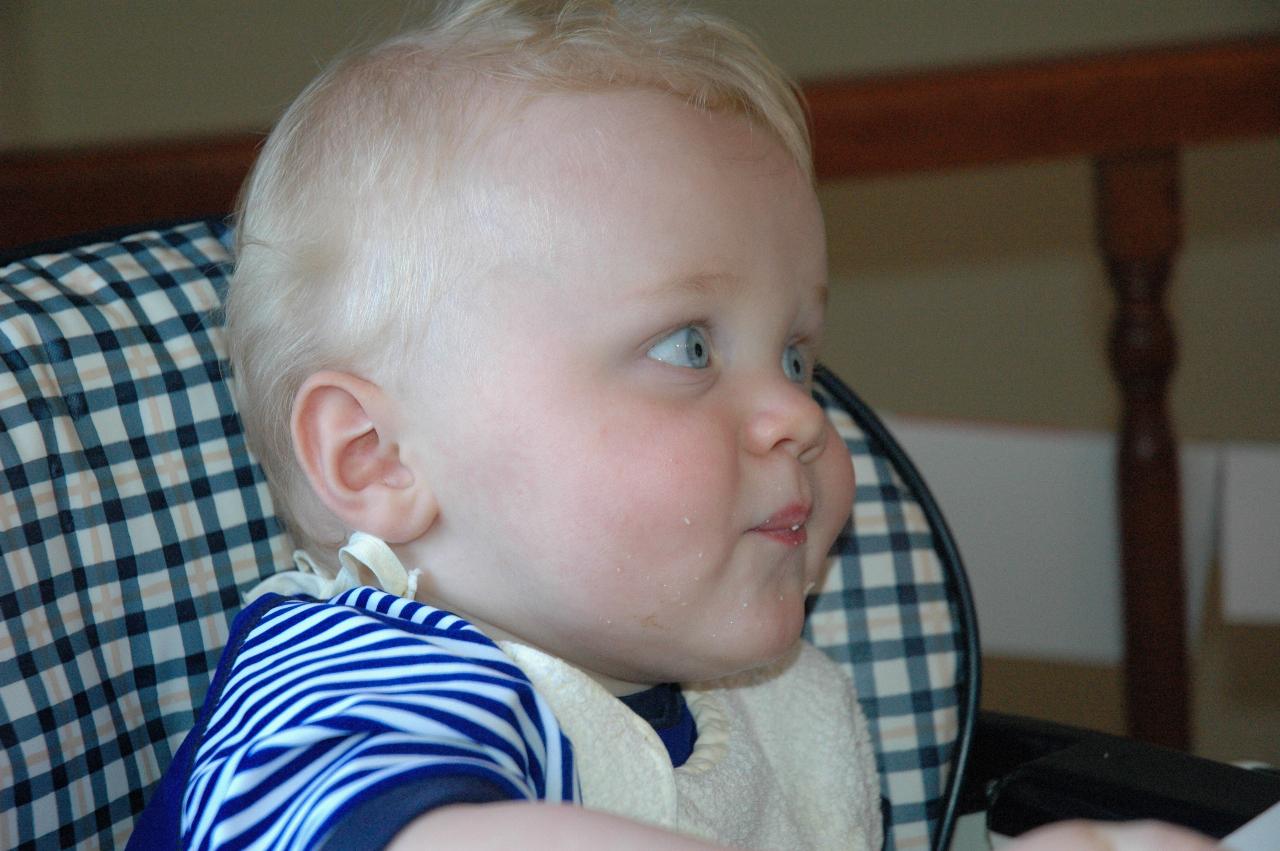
789,519
787,526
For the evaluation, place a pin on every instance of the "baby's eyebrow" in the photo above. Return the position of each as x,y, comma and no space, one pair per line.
709,283
702,283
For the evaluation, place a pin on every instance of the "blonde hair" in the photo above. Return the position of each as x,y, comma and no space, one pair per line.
354,218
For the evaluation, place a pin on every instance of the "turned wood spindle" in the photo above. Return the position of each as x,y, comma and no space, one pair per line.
1139,221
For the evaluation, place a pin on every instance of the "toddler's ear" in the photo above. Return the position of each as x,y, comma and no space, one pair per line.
344,439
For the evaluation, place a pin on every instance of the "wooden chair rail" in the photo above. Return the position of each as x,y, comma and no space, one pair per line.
46,194
1094,106
1130,112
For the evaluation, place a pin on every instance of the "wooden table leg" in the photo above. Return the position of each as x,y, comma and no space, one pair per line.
1139,222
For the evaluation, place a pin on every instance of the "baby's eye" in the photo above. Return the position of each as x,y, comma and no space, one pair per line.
687,347
795,365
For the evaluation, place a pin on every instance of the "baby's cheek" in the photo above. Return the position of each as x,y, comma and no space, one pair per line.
658,487
836,484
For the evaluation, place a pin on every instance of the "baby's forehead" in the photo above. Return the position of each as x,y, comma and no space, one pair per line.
555,144
583,173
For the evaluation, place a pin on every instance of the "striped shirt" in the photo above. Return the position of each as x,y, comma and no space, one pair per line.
338,723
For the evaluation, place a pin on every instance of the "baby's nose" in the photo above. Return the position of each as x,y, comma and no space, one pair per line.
786,417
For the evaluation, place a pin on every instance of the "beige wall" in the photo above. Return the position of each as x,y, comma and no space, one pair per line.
125,69
111,69
14,82
973,294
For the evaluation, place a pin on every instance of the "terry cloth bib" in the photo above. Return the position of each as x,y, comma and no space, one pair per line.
783,758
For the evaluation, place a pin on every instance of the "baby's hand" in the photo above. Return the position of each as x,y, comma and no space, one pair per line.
1111,836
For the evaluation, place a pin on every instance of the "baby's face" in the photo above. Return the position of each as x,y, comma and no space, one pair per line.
630,470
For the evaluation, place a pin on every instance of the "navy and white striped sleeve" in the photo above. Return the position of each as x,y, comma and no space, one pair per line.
363,713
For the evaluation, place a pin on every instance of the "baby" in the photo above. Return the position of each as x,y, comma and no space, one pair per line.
523,322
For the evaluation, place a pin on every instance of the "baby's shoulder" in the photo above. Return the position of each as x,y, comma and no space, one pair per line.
360,626
298,663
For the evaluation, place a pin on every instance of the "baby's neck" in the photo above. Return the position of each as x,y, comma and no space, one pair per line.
616,687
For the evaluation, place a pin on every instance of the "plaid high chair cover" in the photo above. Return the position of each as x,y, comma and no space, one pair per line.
132,518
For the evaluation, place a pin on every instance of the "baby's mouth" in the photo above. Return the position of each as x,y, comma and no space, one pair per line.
787,526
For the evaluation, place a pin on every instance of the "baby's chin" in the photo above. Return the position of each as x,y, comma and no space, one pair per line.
735,655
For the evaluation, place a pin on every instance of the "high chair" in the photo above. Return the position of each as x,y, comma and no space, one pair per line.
133,518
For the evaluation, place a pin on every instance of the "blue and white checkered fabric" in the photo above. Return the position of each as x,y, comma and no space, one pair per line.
132,517
888,614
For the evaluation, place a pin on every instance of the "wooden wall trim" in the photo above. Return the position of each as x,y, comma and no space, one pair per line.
46,194
1101,105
